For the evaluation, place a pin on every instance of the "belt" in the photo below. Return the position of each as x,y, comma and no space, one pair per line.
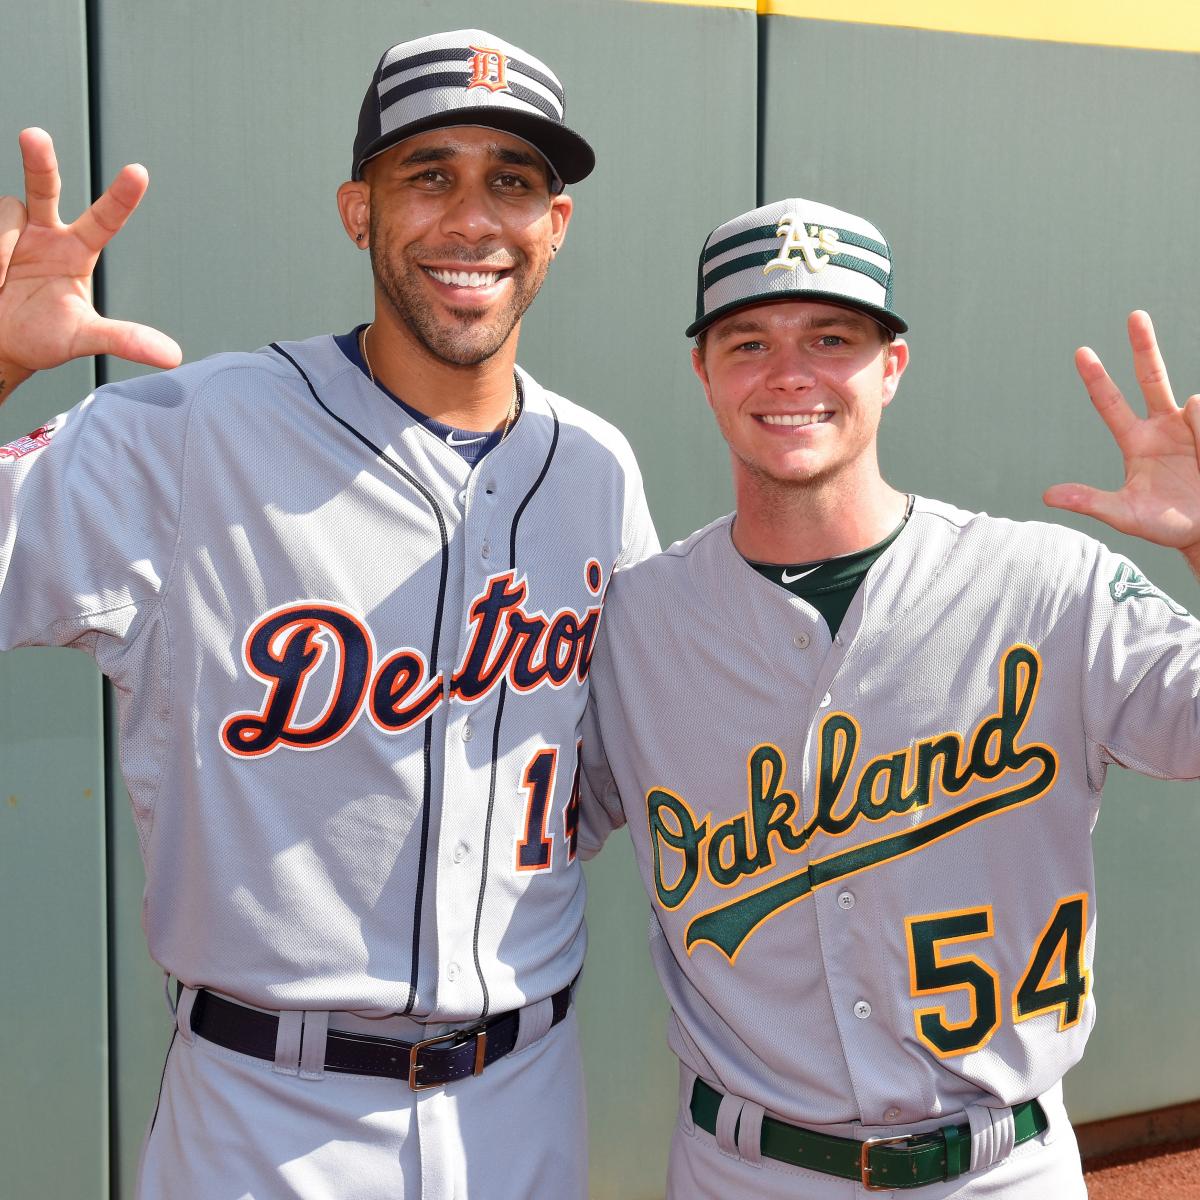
424,1064
880,1164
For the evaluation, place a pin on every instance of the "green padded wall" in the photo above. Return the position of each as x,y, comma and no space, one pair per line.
54,1043
238,243
1033,193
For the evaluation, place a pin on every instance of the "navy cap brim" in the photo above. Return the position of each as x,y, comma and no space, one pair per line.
570,157
887,319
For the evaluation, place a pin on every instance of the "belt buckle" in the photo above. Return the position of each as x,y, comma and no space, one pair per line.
458,1037
864,1160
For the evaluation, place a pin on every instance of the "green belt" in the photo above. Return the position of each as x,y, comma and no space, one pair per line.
879,1164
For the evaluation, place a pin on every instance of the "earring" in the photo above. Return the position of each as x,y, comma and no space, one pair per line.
358,237
553,248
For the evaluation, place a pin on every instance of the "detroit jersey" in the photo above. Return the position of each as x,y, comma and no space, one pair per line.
350,669
869,856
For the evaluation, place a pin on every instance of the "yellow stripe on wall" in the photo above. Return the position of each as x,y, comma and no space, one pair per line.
1147,25
746,5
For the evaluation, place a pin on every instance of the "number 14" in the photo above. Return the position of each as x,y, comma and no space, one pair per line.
535,844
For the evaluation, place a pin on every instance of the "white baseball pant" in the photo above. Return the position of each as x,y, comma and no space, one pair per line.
1045,1166
233,1127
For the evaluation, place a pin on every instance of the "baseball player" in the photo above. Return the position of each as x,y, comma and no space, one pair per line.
859,739
347,591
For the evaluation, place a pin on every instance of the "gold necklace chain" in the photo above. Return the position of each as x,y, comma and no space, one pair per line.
514,405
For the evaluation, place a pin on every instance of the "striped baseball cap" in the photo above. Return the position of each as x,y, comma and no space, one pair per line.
468,77
795,250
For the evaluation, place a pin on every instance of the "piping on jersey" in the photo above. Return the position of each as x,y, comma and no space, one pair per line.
427,790
487,828
994,753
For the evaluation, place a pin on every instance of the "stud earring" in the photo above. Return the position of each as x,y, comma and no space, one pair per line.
358,237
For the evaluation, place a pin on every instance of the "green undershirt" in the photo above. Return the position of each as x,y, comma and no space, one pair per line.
829,584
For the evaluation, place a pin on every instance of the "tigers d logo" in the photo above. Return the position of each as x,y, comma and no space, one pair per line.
809,241
488,69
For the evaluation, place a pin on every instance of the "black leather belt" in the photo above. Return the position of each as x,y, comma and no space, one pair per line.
880,1164
424,1064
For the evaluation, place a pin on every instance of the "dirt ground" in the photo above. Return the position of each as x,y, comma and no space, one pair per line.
1157,1173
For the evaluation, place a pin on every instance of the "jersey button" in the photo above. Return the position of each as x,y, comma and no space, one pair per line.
826,700
467,732
837,641
462,497
891,1114
862,1010
485,550
846,900
452,972
460,852
802,640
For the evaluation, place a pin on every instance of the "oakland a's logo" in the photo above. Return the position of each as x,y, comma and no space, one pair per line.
1129,584
488,68
808,241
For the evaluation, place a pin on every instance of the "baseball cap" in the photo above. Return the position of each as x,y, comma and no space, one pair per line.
468,77
795,250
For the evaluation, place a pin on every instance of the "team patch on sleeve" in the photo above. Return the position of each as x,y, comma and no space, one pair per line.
1130,584
36,440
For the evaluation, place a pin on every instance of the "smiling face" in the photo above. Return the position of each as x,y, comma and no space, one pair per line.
798,388
461,224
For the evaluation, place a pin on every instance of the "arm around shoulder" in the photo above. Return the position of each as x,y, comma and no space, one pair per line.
600,810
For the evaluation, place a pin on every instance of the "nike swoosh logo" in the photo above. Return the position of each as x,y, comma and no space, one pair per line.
798,575
451,440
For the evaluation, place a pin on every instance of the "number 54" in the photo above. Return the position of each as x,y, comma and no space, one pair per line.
1055,979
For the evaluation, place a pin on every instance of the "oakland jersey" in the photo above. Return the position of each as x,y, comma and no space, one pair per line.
868,856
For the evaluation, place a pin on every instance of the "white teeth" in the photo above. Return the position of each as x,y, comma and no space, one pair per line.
796,418
464,278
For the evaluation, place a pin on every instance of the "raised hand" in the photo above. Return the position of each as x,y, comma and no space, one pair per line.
46,312
1160,498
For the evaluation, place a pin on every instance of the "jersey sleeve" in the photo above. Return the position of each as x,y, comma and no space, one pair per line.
600,803
89,509
639,539
600,809
1141,675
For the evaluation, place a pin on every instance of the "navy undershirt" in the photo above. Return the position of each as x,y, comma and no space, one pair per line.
471,444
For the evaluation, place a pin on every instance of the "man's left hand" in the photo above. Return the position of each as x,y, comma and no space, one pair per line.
1160,499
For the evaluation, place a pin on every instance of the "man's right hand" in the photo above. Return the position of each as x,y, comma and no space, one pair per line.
46,312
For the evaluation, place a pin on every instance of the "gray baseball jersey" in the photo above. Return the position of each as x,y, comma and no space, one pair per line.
351,671
869,856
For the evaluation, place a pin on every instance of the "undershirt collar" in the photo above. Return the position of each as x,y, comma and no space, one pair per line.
470,444
830,584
